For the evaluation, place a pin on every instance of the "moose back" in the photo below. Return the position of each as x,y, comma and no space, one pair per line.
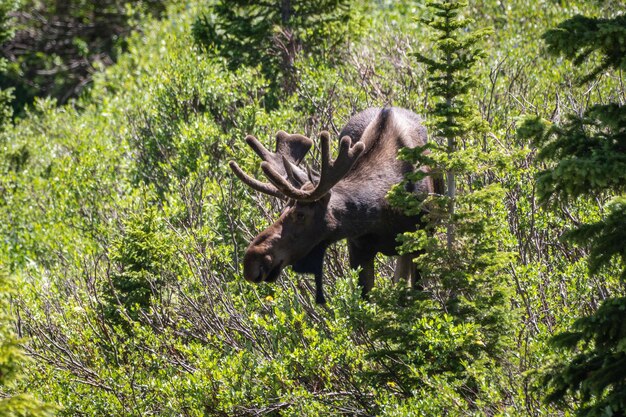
345,200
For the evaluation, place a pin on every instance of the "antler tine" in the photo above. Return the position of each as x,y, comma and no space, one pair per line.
281,183
332,171
258,148
254,183
290,149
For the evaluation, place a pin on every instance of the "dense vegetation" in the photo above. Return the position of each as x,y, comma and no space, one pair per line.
57,46
122,228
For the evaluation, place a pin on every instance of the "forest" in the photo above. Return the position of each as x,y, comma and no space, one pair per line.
123,229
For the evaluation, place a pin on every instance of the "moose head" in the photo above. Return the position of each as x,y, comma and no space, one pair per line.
345,200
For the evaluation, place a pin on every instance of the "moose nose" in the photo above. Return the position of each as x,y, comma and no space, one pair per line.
256,267
252,270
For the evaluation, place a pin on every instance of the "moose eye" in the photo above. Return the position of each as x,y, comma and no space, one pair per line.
299,216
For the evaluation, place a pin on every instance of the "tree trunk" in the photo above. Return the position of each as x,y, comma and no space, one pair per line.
450,179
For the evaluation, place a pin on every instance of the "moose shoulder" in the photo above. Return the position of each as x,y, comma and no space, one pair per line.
346,200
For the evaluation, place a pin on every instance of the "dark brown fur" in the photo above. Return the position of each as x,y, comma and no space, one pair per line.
355,209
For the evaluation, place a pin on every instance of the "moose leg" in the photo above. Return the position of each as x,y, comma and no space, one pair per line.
416,279
407,269
365,260
319,289
417,282
366,277
404,269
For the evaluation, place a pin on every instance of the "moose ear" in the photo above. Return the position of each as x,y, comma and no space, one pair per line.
293,147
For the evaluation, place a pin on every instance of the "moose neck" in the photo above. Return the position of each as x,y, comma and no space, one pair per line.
354,209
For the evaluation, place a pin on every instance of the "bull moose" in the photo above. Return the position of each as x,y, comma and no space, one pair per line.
346,200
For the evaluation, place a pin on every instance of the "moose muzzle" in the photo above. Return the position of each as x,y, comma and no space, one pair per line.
260,267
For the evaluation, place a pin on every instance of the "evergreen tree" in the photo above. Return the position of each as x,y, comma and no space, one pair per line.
273,34
142,259
463,249
471,212
588,152
450,80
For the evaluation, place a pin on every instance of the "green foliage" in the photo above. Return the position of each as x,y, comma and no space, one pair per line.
6,33
595,375
605,238
450,76
6,24
450,80
273,35
579,37
416,350
590,150
191,120
589,155
13,403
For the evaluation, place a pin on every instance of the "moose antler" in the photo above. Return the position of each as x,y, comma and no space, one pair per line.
331,173
290,150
